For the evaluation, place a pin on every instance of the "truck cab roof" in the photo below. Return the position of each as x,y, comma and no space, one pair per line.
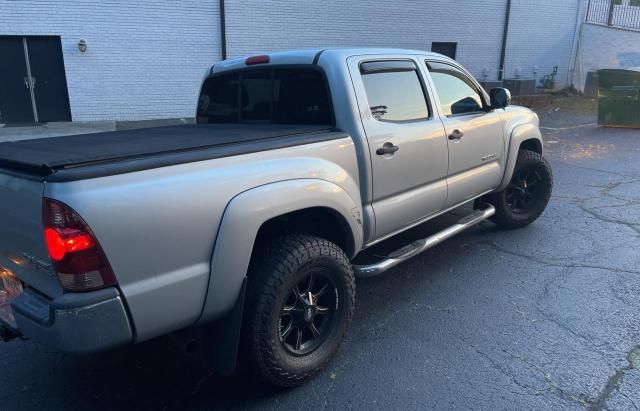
313,55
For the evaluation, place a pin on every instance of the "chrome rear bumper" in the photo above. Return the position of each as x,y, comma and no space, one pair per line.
74,322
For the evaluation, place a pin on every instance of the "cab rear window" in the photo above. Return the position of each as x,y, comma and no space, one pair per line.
266,95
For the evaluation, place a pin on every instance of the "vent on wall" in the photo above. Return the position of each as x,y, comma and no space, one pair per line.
445,48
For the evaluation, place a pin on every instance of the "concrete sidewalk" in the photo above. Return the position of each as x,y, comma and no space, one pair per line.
59,129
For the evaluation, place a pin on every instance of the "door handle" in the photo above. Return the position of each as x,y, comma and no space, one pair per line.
387,148
456,135
26,82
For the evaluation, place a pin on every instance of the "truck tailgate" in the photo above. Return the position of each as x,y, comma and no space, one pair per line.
22,247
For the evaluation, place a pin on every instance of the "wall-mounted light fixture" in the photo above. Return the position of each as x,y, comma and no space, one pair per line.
82,45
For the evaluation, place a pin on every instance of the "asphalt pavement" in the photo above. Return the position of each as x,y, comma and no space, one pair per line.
546,317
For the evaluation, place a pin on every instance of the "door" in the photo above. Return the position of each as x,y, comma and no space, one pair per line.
16,105
33,85
49,79
407,145
475,133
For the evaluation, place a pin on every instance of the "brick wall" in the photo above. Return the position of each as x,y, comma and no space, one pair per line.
144,59
605,47
542,36
253,26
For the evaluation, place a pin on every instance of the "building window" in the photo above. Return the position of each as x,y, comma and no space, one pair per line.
444,48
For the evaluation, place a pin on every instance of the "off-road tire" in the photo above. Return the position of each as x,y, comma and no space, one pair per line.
505,215
274,271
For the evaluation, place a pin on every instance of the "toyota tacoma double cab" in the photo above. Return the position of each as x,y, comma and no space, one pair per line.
246,225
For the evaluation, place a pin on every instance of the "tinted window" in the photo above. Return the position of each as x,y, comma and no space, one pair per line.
219,101
284,96
395,95
257,90
458,95
300,97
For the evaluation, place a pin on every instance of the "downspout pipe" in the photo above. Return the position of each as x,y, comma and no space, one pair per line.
223,31
574,74
505,37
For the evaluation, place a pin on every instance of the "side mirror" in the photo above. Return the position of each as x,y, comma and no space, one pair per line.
500,97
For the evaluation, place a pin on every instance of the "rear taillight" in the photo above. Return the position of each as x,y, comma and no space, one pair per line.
75,253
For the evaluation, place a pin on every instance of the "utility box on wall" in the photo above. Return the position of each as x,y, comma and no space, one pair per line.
619,98
520,87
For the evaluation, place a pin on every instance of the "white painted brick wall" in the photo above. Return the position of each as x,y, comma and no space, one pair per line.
542,34
605,47
541,31
254,26
144,59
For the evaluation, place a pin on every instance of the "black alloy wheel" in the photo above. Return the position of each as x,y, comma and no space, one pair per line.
523,193
308,313
527,195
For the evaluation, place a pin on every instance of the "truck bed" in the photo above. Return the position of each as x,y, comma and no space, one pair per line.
99,154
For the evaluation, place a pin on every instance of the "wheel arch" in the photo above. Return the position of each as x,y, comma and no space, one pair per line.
264,211
531,144
319,221
524,136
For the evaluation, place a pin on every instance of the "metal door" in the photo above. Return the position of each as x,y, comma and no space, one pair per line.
33,85
49,79
408,157
475,133
16,104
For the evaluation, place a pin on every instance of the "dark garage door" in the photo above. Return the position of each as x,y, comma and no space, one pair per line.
33,85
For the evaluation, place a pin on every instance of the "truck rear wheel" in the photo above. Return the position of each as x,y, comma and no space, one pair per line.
300,301
528,193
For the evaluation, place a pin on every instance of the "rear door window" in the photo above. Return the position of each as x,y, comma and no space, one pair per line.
394,91
269,95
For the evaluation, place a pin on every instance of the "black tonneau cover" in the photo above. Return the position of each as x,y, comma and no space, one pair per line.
150,148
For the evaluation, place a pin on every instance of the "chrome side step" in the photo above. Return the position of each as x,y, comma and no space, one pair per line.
418,246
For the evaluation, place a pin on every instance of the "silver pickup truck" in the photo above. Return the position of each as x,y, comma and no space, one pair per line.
246,228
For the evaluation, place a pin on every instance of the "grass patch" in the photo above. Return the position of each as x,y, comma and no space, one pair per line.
573,103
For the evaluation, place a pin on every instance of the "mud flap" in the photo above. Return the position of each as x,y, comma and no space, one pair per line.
224,337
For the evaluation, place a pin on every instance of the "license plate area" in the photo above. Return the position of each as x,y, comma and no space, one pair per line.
10,288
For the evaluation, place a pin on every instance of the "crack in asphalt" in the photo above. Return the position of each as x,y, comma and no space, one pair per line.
552,386
599,170
533,390
555,262
615,381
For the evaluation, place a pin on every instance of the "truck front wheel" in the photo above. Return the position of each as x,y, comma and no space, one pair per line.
300,301
528,193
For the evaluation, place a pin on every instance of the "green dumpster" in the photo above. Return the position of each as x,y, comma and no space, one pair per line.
619,98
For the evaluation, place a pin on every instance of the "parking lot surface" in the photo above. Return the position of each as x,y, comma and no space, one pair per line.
546,317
